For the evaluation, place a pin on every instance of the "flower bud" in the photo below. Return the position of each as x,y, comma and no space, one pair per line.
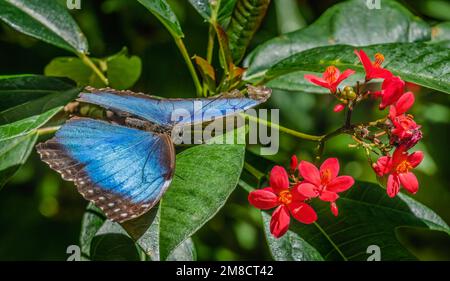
339,107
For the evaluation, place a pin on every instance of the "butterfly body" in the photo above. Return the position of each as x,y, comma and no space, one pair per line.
125,165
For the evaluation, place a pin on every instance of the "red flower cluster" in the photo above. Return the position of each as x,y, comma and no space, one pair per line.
403,132
289,194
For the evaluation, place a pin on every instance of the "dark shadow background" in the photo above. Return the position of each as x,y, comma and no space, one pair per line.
40,214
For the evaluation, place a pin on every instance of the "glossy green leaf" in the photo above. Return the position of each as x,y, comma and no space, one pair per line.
204,9
245,21
101,239
17,141
290,247
19,89
75,69
162,10
441,34
367,216
45,20
350,22
121,69
111,243
31,95
420,63
199,191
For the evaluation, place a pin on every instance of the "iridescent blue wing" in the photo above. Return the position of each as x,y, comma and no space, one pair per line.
123,171
170,112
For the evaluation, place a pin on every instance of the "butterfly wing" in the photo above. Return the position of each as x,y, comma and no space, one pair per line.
170,112
123,171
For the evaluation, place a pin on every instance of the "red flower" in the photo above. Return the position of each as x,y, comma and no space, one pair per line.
391,90
398,167
331,78
405,131
324,183
373,69
287,200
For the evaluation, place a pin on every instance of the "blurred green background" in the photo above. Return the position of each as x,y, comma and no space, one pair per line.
40,214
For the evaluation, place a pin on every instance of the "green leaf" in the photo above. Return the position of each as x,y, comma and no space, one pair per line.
184,252
122,70
245,20
165,15
289,247
45,20
112,243
75,69
19,89
203,7
441,34
198,191
367,216
29,95
350,22
17,141
101,239
420,63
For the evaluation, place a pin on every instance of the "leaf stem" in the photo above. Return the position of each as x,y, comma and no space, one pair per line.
47,130
209,53
283,129
252,170
331,241
180,44
88,62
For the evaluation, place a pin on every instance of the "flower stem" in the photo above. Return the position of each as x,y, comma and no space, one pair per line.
209,53
47,130
180,44
87,61
283,129
252,170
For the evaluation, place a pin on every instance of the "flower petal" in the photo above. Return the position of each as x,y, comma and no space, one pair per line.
344,75
393,186
340,184
279,223
404,103
308,190
296,195
309,172
409,182
364,60
332,166
328,196
317,80
303,212
279,179
263,199
415,158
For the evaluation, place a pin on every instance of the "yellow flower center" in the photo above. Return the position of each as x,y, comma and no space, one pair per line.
325,176
379,59
285,197
403,167
330,74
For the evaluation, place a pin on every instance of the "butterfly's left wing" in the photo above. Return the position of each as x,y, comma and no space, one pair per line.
171,112
123,171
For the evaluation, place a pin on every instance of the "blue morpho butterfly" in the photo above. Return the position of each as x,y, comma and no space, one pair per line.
125,166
